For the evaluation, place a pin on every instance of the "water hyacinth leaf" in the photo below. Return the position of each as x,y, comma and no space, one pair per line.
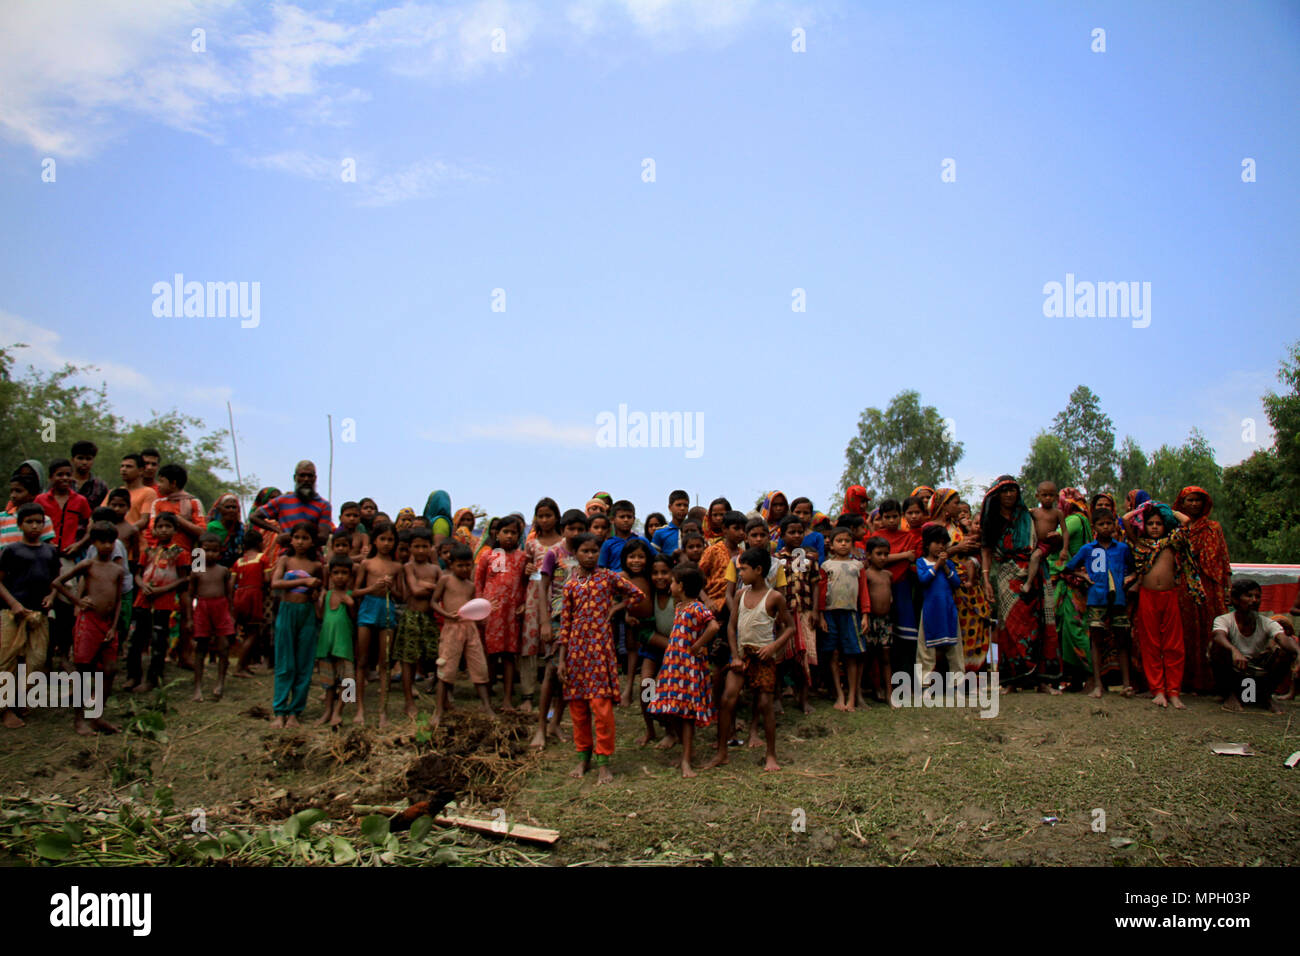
210,849
291,827
53,845
76,833
343,850
307,818
375,828
446,857
420,828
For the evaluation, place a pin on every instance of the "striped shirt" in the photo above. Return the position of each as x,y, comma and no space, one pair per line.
288,510
10,533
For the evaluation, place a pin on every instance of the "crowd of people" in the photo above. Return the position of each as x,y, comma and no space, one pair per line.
701,611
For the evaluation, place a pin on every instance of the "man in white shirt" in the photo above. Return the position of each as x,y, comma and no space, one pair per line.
1250,653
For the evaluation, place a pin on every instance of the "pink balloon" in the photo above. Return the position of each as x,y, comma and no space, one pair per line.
475,609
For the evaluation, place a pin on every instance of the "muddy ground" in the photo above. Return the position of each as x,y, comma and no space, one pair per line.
875,787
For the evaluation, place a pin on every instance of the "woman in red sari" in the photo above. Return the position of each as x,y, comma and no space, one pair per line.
1210,551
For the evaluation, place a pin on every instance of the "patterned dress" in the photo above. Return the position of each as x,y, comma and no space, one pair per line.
500,577
590,661
683,687
536,602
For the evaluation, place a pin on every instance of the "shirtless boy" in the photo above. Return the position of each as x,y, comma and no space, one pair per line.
458,637
1049,528
94,641
212,589
417,635
878,631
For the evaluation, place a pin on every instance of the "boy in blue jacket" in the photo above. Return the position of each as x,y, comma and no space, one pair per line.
1110,569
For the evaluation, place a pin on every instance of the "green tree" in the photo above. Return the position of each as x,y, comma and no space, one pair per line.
898,448
36,406
1089,436
1172,468
1049,460
1132,465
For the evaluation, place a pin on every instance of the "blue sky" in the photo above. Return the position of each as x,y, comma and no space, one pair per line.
521,170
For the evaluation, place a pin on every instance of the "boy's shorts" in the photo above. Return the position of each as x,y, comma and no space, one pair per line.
760,675
376,611
842,633
461,637
878,632
90,641
1116,615
416,638
212,618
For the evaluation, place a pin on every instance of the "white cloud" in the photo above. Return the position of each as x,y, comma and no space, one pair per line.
417,180
527,430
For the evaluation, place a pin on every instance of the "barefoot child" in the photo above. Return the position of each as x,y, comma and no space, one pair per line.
939,628
459,638
334,645
638,618
378,584
560,562
164,570
297,577
1110,569
544,536
878,631
803,595
586,661
683,693
210,593
654,644
1161,555
847,597
94,643
500,579
758,632
417,634
28,568
1249,651
1049,529
904,549
252,572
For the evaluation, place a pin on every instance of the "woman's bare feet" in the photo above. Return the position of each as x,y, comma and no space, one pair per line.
718,760
604,775
770,764
755,742
292,721
1159,700
687,771
581,769
647,739
1096,692
839,704
1176,702
1232,705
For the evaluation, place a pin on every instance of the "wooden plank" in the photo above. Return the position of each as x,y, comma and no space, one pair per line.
518,831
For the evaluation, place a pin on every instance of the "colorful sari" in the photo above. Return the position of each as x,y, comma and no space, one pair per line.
1025,648
461,535
765,512
1209,553
856,500
232,539
1072,602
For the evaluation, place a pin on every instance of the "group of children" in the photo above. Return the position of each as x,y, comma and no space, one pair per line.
682,621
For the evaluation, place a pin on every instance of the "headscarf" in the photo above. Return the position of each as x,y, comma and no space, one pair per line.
856,500
1021,522
270,540
820,517
939,499
1092,504
264,495
485,542
1135,499
464,535
438,508
765,512
37,467
596,505
928,491
406,515
604,496
1071,501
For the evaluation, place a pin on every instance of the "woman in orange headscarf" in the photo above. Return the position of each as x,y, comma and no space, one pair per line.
1210,551
462,524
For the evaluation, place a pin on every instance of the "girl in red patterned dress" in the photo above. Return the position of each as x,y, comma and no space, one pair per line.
684,690
500,578
544,535
587,663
